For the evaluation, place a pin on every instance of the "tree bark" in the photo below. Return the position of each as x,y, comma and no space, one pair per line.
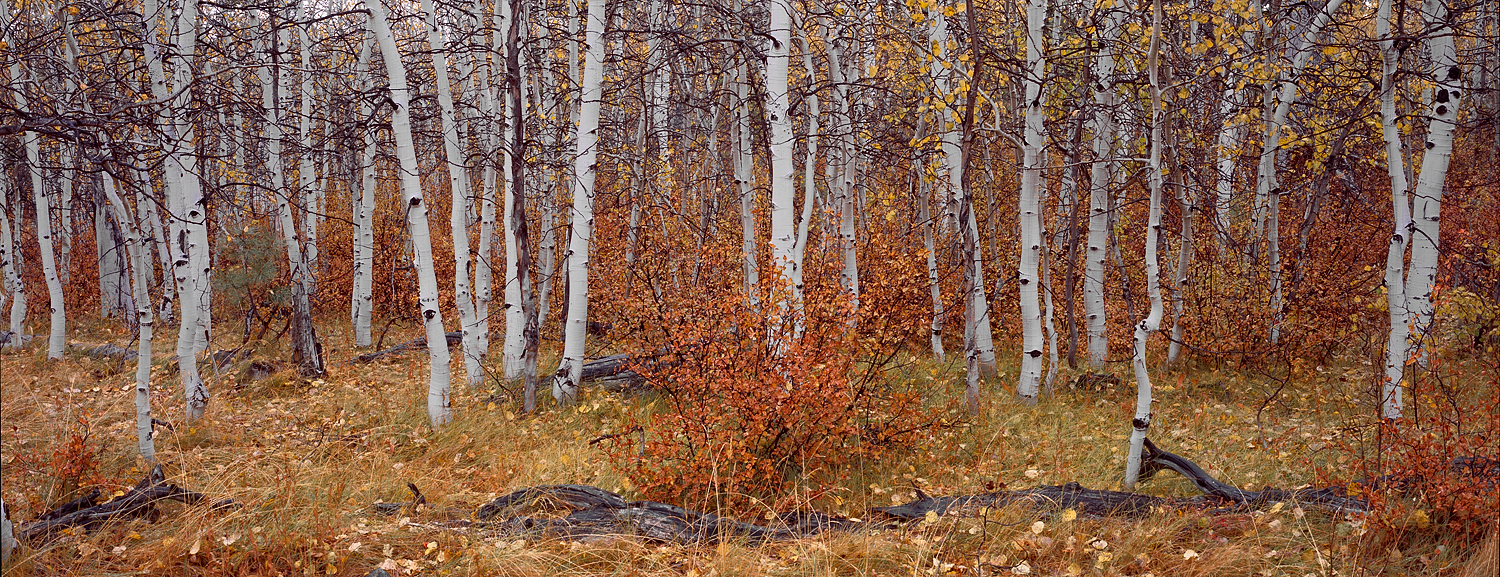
439,405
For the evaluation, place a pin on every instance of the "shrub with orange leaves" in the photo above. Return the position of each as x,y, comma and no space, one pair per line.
760,399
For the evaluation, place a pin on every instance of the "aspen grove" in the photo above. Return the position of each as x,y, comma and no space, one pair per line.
779,223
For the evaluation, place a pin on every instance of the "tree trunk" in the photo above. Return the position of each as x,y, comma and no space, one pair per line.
135,244
456,166
439,405
362,302
1142,421
1097,255
10,266
1427,197
1031,182
581,235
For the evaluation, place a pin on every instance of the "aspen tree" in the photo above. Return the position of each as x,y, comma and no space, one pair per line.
744,174
57,333
1033,139
569,373
305,351
10,265
942,67
458,181
1143,330
514,349
140,263
1097,254
1267,185
783,231
1427,196
361,300
439,405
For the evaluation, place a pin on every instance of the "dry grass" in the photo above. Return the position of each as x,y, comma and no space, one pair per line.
307,459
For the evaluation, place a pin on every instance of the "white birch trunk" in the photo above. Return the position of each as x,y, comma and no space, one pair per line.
304,347
57,333
439,405
1031,235
458,181
361,300
147,208
924,207
136,245
10,265
1143,330
513,353
783,229
744,174
1427,197
1395,280
307,188
114,291
843,192
1267,186
570,368
809,175
978,337
1097,256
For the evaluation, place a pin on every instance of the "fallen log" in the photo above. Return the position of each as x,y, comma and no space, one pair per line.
418,343
140,501
592,512
596,512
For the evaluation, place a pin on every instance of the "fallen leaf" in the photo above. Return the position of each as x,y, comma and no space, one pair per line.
1067,515
1037,527
1190,554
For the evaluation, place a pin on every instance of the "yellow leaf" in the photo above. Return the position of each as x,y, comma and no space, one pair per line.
1067,515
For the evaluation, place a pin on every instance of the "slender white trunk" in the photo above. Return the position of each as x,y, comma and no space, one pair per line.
1031,235
484,269
136,246
361,300
1143,330
307,188
458,181
809,175
1189,215
1097,256
57,335
1427,197
744,175
147,207
924,207
978,337
783,231
1395,283
843,193
570,368
439,405
1267,186
10,266
304,343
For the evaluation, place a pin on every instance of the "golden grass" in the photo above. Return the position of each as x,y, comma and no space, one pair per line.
306,460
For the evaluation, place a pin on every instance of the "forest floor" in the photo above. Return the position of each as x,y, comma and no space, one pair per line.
307,459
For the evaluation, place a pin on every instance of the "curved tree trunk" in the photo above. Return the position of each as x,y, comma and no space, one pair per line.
439,405
1143,330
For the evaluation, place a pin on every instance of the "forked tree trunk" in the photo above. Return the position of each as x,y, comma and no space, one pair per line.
1427,197
439,405
306,353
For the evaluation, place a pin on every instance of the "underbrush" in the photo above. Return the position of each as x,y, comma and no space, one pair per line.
305,460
